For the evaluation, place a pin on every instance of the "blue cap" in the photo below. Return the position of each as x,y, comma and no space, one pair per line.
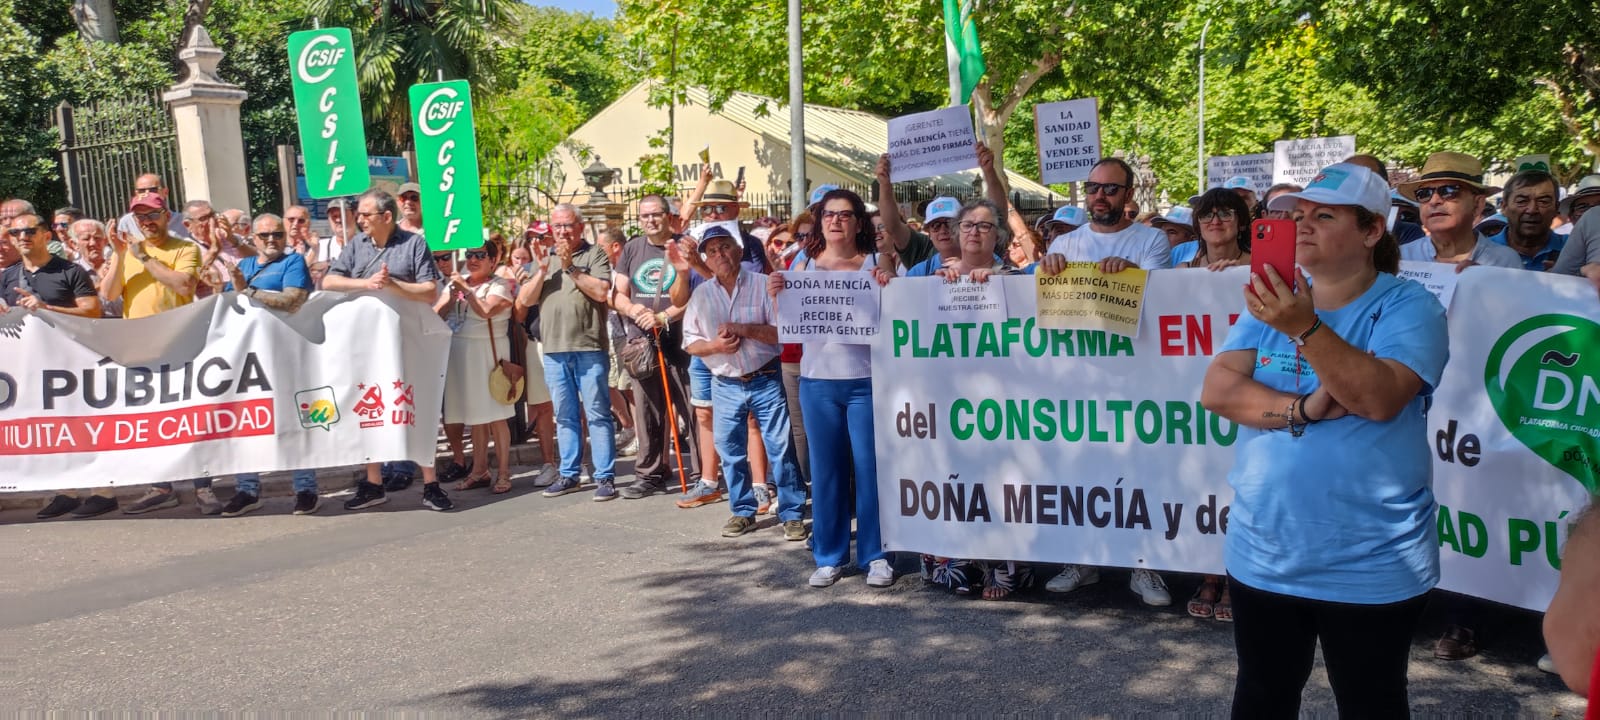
1181,215
942,208
819,191
1239,181
1070,215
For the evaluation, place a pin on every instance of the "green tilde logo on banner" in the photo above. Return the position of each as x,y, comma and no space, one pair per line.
1542,379
327,105
447,165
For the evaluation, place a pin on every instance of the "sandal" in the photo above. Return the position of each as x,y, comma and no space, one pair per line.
502,484
1204,603
1224,609
473,482
1006,578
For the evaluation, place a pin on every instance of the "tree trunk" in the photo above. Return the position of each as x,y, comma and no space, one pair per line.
991,119
96,20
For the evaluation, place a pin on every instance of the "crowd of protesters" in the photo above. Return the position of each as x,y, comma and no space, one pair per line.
663,347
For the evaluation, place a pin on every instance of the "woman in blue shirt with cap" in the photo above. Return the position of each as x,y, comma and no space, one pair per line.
1331,536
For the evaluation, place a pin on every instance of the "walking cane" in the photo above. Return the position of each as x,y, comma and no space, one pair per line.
672,419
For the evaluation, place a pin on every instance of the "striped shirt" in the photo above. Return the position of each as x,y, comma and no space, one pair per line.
711,305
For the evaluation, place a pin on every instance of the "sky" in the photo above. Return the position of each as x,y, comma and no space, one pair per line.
603,8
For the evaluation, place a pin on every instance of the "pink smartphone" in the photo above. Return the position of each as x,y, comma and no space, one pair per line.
1272,244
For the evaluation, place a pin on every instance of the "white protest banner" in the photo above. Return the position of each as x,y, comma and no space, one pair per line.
928,144
1068,134
218,387
969,301
1438,278
824,306
1257,167
1297,161
1091,447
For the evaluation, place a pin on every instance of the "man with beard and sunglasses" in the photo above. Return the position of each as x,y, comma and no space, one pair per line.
277,279
1111,238
1116,243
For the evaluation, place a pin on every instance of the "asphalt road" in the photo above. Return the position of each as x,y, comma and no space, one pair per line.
522,606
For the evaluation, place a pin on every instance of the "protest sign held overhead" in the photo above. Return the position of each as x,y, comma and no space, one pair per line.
447,165
327,104
928,144
1068,134
1257,167
1297,161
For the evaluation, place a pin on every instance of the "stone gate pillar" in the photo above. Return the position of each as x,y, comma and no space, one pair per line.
205,111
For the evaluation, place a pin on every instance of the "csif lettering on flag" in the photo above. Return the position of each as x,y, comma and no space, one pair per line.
962,52
447,165
327,105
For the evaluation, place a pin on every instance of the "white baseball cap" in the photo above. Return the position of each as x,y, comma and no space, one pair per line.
942,208
1181,215
819,191
1341,184
1070,215
1239,181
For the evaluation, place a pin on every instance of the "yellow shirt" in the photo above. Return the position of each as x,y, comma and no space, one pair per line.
142,294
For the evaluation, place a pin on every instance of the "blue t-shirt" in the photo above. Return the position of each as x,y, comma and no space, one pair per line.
1536,263
1184,252
1346,512
926,268
288,272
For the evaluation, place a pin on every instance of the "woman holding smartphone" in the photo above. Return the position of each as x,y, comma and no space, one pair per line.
1331,536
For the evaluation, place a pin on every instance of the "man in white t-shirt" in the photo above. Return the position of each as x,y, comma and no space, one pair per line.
1114,241
1111,238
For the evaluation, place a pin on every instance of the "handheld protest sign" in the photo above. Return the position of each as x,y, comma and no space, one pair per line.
327,104
1068,135
447,165
933,143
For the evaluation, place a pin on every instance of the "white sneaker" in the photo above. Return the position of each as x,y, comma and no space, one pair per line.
1150,588
1073,577
879,574
1547,663
586,474
547,476
825,576
206,499
627,444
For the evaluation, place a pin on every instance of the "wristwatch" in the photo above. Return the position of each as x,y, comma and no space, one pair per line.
138,252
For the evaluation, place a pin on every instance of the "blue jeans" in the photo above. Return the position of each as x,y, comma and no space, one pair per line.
838,417
250,483
582,377
699,383
732,400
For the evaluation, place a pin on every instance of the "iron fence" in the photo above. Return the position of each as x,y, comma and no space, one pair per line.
106,144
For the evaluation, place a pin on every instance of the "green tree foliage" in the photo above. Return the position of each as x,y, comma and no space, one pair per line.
26,140
576,56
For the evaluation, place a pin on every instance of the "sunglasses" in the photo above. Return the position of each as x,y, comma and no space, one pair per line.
61,226
277,235
714,209
152,215
443,257
1445,192
477,254
24,232
1107,189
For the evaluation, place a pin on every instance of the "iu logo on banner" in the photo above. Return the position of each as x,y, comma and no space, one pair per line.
447,165
322,66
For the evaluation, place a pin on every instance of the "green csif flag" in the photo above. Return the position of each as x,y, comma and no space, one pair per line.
962,52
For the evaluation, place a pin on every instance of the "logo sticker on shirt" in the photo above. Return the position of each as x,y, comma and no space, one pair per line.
654,277
1287,363
1543,378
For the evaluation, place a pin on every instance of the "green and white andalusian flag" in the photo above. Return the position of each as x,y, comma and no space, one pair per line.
962,52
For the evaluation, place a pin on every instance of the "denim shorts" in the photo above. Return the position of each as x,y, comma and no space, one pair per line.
699,383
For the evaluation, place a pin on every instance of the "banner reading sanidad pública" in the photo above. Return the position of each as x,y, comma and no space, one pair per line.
1007,440
218,387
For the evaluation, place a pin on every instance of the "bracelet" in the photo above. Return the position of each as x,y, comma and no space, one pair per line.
661,319
1295,429
1301,338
